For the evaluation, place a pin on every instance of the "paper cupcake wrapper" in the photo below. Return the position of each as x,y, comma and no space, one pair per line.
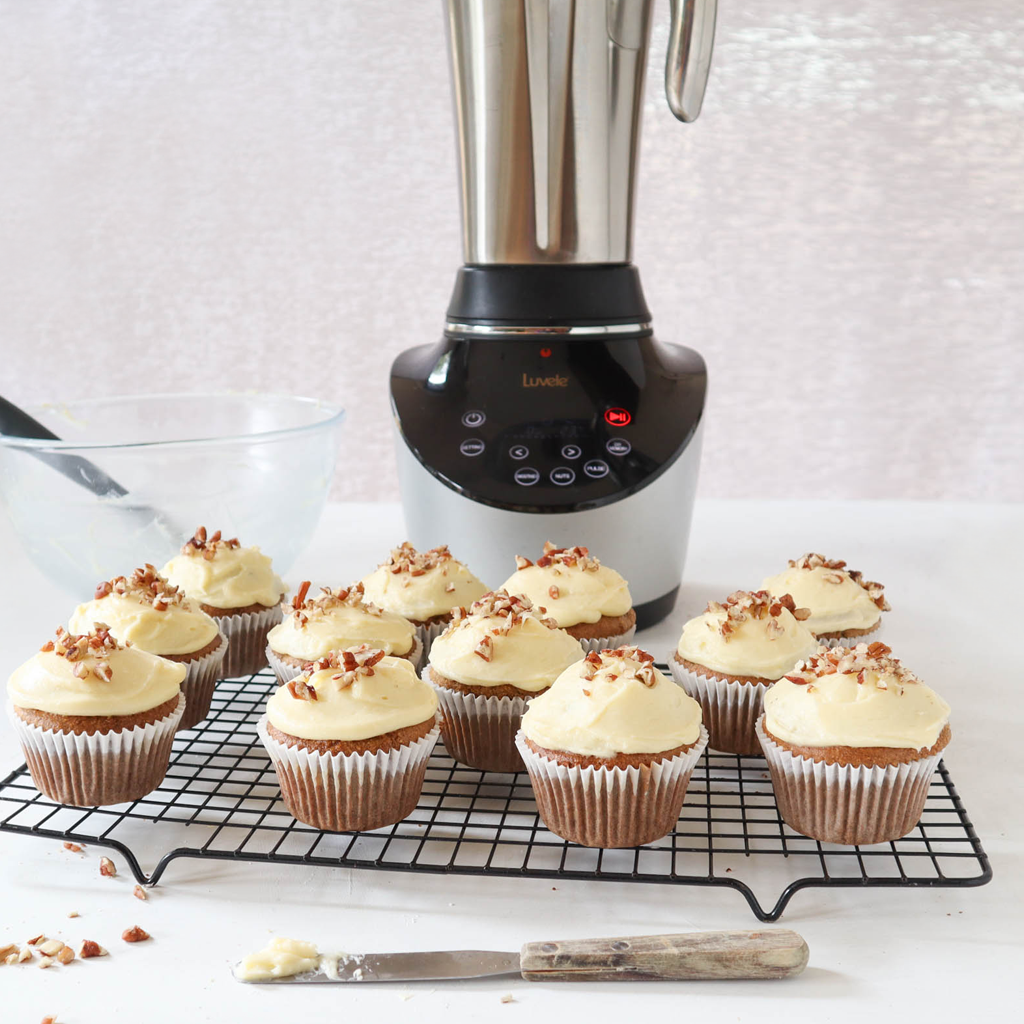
849,804
611,807
247,640
98,769
608,643
286,673
428,633
349,792
852,641
478,730
199,684
730,710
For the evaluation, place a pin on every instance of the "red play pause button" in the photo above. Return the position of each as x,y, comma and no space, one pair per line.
617,417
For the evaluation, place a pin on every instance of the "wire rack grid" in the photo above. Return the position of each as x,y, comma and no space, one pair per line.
220,800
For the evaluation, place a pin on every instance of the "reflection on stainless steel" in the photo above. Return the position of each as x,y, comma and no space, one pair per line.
578,331
548,97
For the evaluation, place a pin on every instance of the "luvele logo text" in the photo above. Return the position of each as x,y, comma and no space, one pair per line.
555,381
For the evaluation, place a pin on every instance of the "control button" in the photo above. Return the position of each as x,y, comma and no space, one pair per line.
595,468
618,417
618,446
527,476
572,451
473,418
562,475
519,452
471,446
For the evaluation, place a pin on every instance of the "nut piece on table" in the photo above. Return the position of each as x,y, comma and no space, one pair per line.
135,934
49,1020
90,949
66,955
107,868
6,951
44,962
49,947
139,893
73,847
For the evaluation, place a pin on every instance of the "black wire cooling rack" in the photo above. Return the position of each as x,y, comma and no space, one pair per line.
220,800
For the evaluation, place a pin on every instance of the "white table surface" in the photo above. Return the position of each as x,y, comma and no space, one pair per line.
939,954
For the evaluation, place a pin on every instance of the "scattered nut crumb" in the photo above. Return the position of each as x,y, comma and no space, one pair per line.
50,947
25,954
49,1020
507,998
38,938
6,951
107,868
44,962
139,893
66,955
73,847
728,870
135,934
90,949
73,913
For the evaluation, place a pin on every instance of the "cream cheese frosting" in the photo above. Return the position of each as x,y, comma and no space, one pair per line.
337,619
352,695
838,598
148,612
422,585
503,640
281,958
223,574
569,586
859,697
93,674
613,702
750,634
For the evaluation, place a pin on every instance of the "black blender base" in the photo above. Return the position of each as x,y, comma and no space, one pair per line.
652,612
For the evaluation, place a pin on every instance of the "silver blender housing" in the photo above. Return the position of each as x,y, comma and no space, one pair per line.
548,410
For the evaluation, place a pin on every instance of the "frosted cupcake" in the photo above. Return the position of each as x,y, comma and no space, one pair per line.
610,748
332,621
350,739
153,615
95,718
728,657
585,598
423,587
852,740
486,667
842,603
238,587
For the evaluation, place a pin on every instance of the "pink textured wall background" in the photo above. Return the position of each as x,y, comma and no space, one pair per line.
262,194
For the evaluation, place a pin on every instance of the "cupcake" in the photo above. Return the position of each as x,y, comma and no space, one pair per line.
610,748
350,739
852,739
729,656
486,667
332,621
843,604
238,587
95,717
423,587
585,598
154,616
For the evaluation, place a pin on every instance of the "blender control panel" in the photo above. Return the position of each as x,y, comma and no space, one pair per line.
542,425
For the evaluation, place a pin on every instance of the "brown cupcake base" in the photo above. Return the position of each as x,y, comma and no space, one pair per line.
848,634
606,626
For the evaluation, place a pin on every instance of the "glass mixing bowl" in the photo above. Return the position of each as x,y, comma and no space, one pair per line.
254,466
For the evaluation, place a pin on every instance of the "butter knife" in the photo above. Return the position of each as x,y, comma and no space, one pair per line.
772,953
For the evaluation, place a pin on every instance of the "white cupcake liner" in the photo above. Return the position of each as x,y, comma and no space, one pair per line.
286,673
199,684
247,640
848,804
428,632
478,730
611,808
608,643
730,710
98,769
349,792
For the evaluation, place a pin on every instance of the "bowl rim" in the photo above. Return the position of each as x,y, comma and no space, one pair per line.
335,415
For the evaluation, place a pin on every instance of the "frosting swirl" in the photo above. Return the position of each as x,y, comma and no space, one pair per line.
503,640
613,702
422,585
352,695
570,586
854,697
93,674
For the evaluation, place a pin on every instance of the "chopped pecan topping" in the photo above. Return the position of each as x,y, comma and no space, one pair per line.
73,847
89,949
756,605
866,661
509,610
206,547
135,934
350,663
484,649
405,558
570,558
876,591
306,609
88,651
639,663
553,592
66,955
139,893
107,868
146,586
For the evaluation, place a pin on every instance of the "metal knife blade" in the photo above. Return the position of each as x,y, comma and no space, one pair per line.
435,966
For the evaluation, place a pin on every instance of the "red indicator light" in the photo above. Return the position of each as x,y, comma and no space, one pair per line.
617,417
545,352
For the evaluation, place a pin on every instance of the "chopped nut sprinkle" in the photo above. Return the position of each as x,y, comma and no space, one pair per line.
107,868
508,609
135,934
88,650
405,558
874,658
352,663
146,586
90,949
742,605
304,610
876,591
571,558
206,547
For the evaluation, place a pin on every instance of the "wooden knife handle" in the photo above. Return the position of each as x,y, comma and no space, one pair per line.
773,953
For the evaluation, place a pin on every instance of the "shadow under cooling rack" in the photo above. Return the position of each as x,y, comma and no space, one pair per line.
220,799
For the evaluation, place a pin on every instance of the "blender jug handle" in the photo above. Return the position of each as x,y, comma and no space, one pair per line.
691,40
